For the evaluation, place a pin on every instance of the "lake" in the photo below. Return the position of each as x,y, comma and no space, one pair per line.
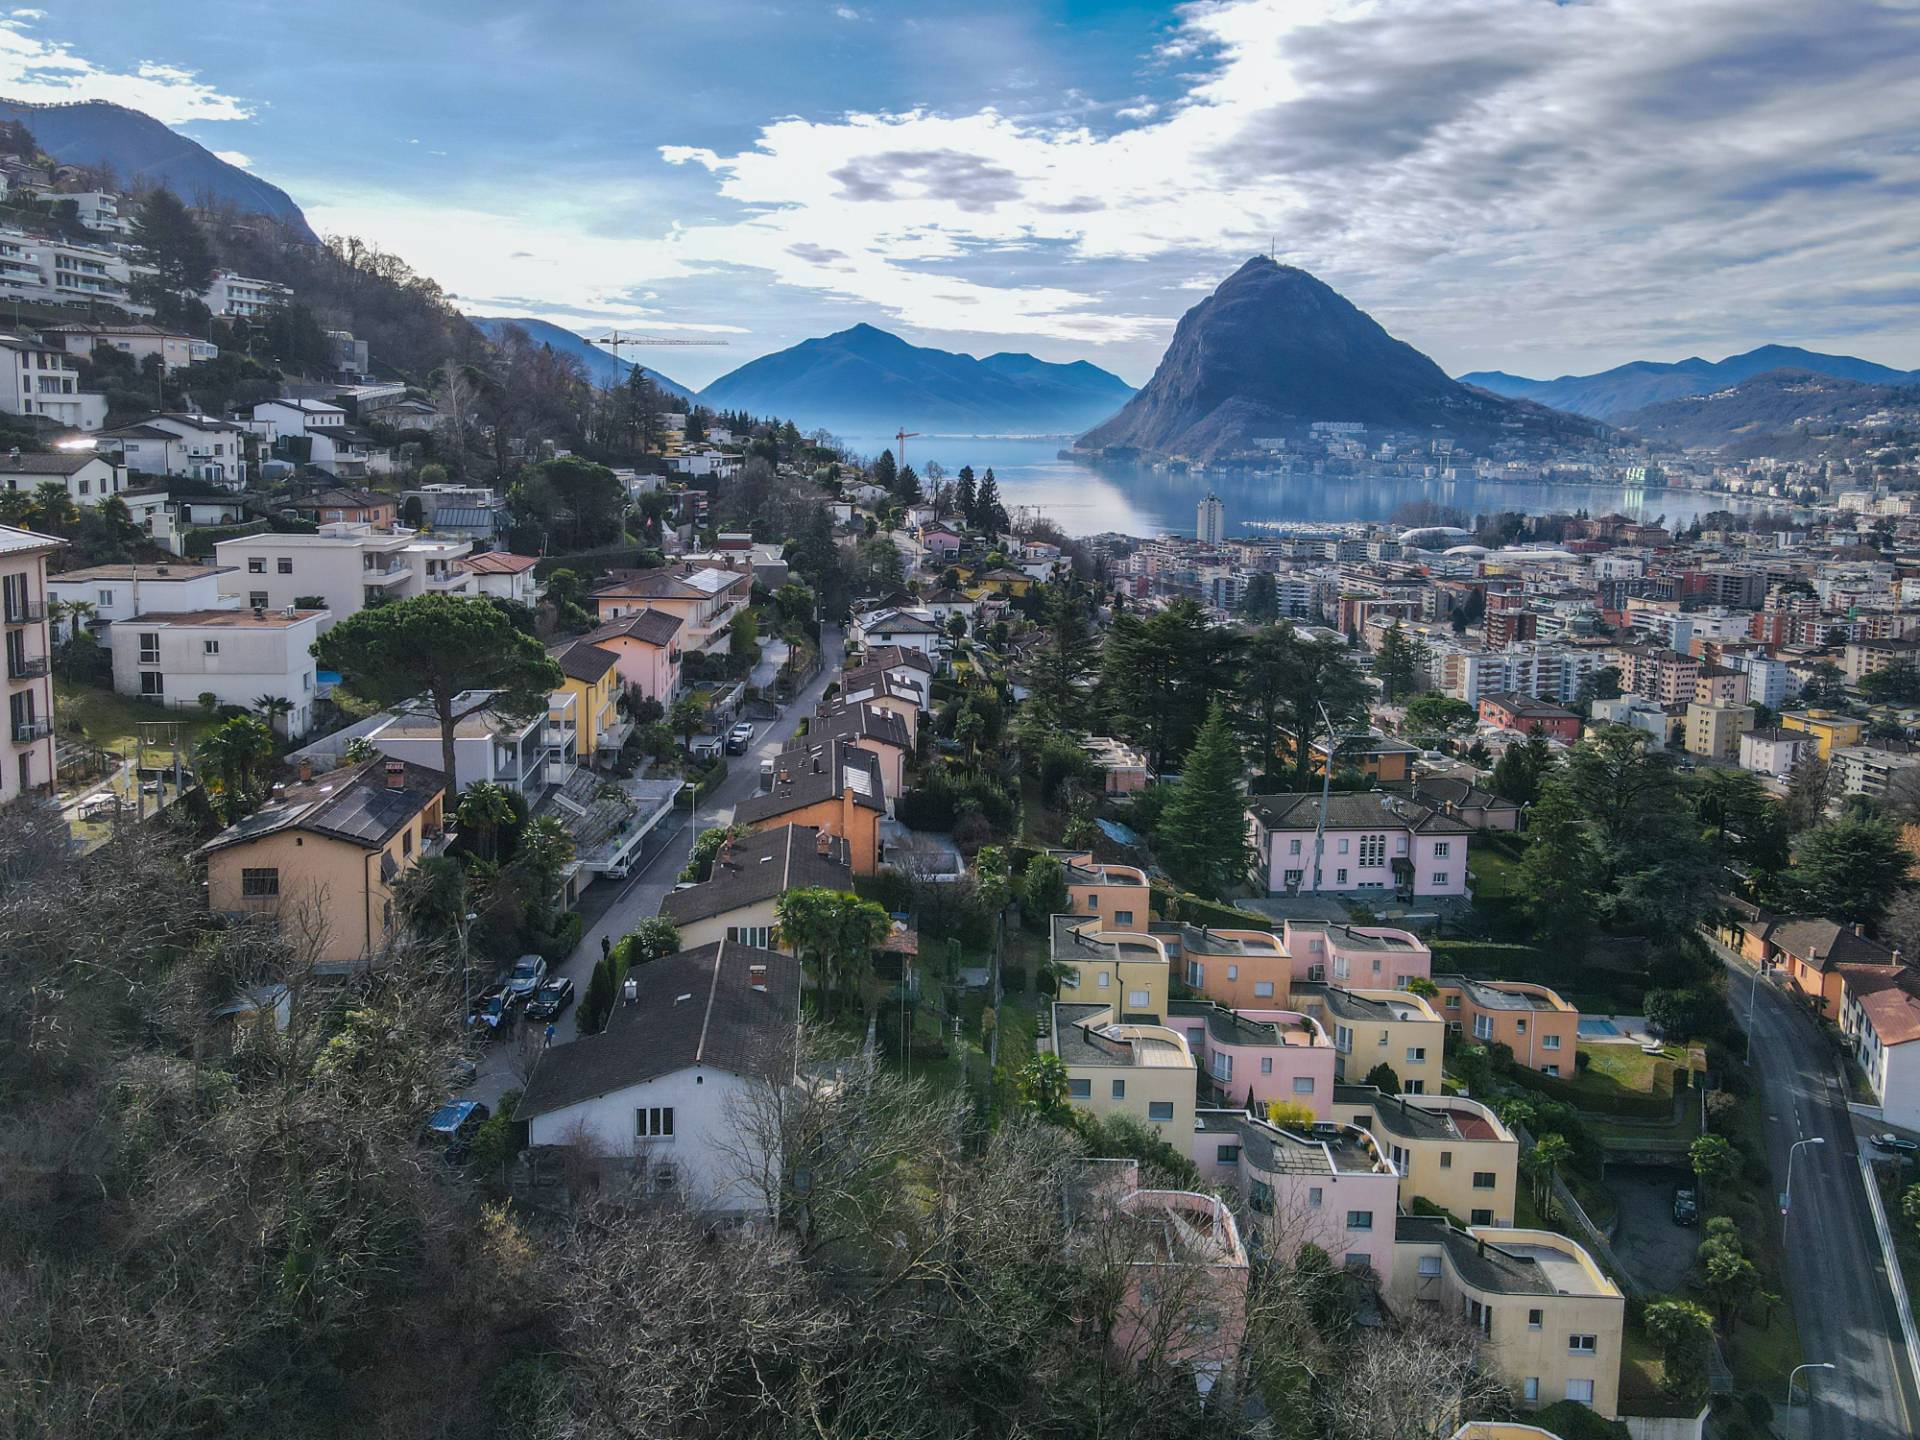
1145,502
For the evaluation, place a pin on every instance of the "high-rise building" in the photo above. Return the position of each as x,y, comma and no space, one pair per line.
1210,524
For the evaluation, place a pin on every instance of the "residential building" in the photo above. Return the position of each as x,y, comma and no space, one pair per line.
739,898
1372,843
869,727
43,381
1871,769
1809,951
909,629
235,655
504,576
1116,895
830,785
1720,685
661,1097
88,478
135,339
1869,657
234,296
1244,969
488,744
1373,957
97,210
1770,682
1116,1067
1128,968
337,504
120,592
1124,767
28,765
1541,1029
1829,730
324,856
1395,1028
588,700
1880,1017
1331,1186
1460,798
198,447
1210,521
343,566
887,690
1256,1057
1525,715
1713,731
1773,751
646,645
45,270
1375,754
1449,1151
706,600
1549,1319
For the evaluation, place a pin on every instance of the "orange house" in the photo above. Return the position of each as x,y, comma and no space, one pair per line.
1116,894
1810,951
835,787
1541,1029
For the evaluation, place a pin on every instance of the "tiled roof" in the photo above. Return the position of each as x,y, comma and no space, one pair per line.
650,627
354,803
855,721
1802,936
579,660
46,464
810,774
759,867
1889,997
1374,810
723,1006
499,562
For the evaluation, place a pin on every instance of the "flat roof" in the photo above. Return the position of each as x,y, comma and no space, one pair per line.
224,619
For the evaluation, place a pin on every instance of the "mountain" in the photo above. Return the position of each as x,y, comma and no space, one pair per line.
1272,350
602,368
865,378
1640,383
1786,414
138,147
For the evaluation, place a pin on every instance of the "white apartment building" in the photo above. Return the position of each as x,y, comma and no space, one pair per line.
89,478
1548,672
141,341
27,765
122,592
44,380
1210,520
1868,770
1771,683
236,656
510,751
1774,751
343,566
198,446
237,297
99,211
59,272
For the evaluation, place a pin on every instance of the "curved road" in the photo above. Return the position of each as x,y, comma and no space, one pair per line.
1836,1280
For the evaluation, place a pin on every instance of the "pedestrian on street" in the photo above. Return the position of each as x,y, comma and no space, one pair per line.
606,947
546,1043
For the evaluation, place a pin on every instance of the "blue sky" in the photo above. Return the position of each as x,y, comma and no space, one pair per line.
1520,184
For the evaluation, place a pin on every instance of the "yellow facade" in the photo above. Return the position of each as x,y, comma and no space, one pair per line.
1124,969
1829,731
1394,1026
1146,1072
594,708
1451,1152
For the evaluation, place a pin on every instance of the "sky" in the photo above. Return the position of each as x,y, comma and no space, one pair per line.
1524,185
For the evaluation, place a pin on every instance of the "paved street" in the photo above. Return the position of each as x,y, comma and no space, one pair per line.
508,1062
1836,1280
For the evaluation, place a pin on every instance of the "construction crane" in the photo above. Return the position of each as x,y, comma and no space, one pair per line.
614,340
900,439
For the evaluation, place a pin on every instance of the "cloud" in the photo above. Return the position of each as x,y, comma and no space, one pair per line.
847,12
46,72
235,157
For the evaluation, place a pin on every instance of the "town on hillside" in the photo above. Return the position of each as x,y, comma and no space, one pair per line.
669,921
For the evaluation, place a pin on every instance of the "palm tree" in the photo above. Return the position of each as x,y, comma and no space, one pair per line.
484,808
689,718
1549,1153
274,709
236,758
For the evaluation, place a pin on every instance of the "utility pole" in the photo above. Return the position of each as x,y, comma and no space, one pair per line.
1334,741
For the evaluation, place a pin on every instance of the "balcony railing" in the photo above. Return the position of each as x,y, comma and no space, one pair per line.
26,667
25,732
26,612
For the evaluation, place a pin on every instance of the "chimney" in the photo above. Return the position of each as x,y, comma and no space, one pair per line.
305,769
161,570
757,977
1859,929
816,762
396,774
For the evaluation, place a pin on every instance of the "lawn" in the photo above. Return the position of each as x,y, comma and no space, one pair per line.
1495,875
100,717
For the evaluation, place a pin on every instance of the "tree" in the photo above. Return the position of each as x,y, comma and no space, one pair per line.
1714,1162
597,1003
687,718
1260,603
171,241
1056,674
444,646
1294,1115
743,637
1043,1086
1383,1079
885,472
965,500
706,845
1202,835
1810,789
1550,1153
1043,888
1435,716
484,810
237,758
1684,1333
1160,674
1556,869
834,935
1850,869
1398,662
652,939
1895,685
1729,1277
989,515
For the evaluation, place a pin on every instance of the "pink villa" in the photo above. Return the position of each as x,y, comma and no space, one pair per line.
1332,1186
1117,895
1185,1301
1374,845
938,540
648,644
1371,957
1256,1056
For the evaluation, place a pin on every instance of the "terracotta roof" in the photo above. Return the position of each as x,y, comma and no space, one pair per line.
579,660
1889,998
499,562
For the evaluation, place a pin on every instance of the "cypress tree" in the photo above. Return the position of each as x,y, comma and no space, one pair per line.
1202,835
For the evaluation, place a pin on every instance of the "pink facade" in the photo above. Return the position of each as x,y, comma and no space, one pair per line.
1263,1054
1186,1295
1359,860
1365,957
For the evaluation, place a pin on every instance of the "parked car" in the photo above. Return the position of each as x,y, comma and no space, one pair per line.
454,1125
529,973
550,999
1895,1144
1686,1207
739,738
495,1008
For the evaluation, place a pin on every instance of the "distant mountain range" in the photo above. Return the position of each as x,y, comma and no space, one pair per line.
1272,350
602,367
1790,414
138,147
1614,393
865,379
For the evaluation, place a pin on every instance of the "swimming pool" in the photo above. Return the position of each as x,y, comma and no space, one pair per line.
1602,1028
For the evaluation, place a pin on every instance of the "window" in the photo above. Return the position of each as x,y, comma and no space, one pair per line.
1483,1180
1266,1065
1583,1345
258,599
1385,1036
210,647
1442,848
149,647
1440,879
1119,1089
1105,979
1293,847
1293,878
106,598
1343,847
1446,1159
1138,999
1483,1027
1196,974
1222,1065
1233,972
758,936
1551,1070
256,564
1480,1217
1535,1318
1480,1317
1340,876
1549,1042
1227,1154
1079,1089
1530,1388
152,683
1260,1198
1123,917
1160,1110
1303,1084
653,1122
1263,988
406,842
1315,1197
260,884
1414,1087
284,565
1453,1002
1416,1054
1429,1267
1196,1038
1359,1219
1373,851
1343,1038
1093,902
1519,1027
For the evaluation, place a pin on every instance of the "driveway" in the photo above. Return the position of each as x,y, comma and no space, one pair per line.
508,1063
1838,1287
1657,1252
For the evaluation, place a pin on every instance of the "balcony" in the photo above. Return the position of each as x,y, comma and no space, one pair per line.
26,612
25,732
26,667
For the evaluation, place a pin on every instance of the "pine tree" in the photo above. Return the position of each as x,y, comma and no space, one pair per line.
1202,835
885,472
965,497
172,242
988,513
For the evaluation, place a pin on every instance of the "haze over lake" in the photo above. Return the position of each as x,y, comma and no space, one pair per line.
1145,502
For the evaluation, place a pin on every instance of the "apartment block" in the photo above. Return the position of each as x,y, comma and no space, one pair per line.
234,655
1127,969
1256,1057
1449,1151
343,566
43,380
1541,1029
1119,1068
28,766
1370,1028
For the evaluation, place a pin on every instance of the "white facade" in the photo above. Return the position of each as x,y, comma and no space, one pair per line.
1772,752
705,1105
235,296
1210,520
344,564
1890,1062
44,380
1771,683
486,746
89,478
141,342
58,272
121,592
26,744
195,446
237,656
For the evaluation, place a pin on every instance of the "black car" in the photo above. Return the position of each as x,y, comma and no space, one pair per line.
495,1010
550,999
1686,1207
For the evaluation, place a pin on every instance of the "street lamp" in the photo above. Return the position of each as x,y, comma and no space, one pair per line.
1786,1201
1813,1365
1753,994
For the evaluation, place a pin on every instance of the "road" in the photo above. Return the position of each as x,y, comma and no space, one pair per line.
507,1063
1835,1277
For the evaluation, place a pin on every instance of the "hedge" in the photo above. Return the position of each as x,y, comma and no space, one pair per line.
198,543
1656,1105
1179,905
590,563
694,791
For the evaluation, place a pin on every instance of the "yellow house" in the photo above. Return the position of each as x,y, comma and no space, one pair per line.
589,697
1449,1151
1145,1071
1002,580
1114,894
1373,1027
324,856
1124,969
750,873
1830,731
1550,1320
